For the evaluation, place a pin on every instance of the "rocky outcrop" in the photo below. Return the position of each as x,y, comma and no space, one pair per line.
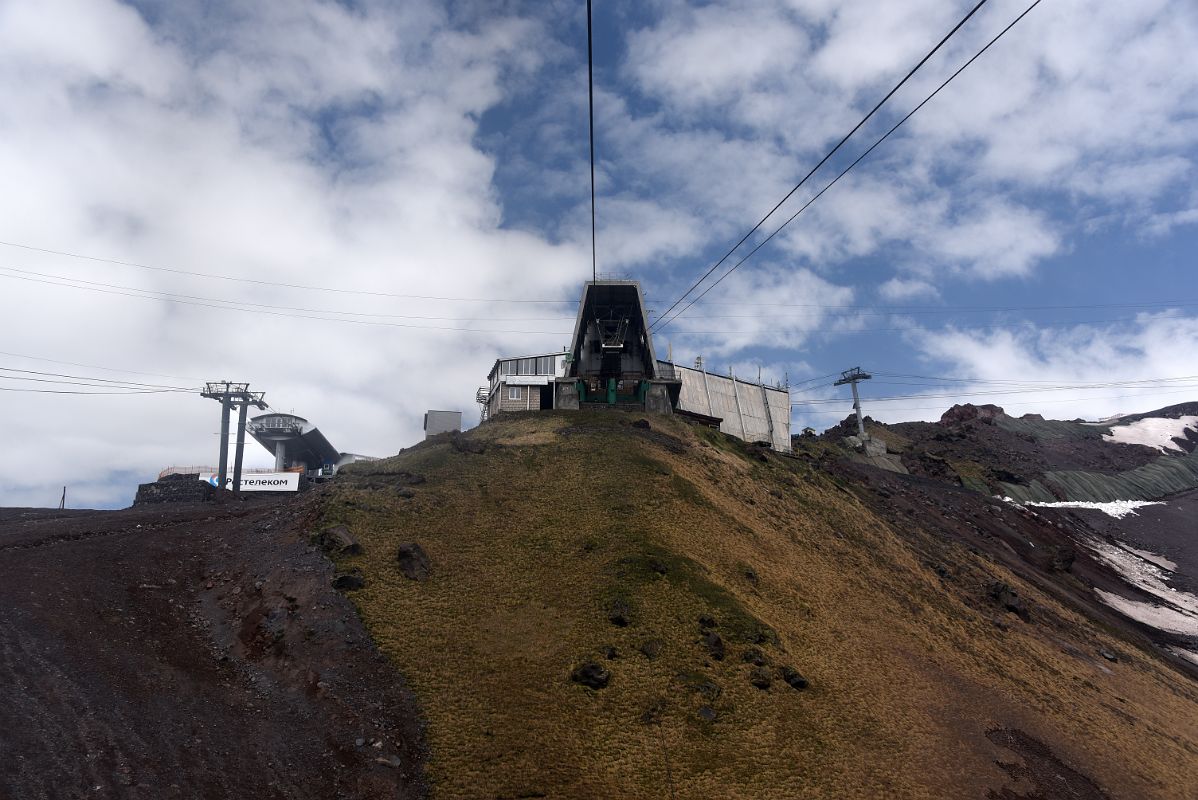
960,414
174,489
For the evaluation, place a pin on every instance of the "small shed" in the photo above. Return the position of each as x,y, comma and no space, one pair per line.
441,422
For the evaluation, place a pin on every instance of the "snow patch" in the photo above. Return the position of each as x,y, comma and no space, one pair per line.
1142,574
1155,432
1188,655
1160,561
1176,613
1116,508
1164,618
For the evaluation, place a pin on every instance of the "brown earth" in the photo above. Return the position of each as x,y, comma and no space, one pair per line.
190,651
613,609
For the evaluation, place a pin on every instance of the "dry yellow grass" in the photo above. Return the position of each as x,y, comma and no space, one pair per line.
532,539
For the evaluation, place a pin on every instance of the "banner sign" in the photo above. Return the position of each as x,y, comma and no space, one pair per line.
259,481
526,380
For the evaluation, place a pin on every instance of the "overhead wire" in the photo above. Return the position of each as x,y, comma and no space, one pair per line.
63,391
1013,391
591,130
1036,402
69,278
93,366
829,155
84,380
856,311
664,321
225,305
280,284
324,315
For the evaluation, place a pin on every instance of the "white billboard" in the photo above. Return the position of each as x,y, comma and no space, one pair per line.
258,481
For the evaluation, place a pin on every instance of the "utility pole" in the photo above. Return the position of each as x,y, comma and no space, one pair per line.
852,377
63,502
232,394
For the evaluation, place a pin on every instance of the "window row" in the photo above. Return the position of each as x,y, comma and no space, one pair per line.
541,365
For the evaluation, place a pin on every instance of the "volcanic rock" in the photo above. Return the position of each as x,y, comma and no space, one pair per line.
413,561
591,674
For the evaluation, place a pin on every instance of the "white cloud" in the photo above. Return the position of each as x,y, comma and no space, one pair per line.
760,312
897,289
313,145
1155,346
318,143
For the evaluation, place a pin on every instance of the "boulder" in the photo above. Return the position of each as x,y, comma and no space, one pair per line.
1010,600
714,645
755,656
348,582
760,677
651,648
793,678
960,414
338,541
619,613
413,561
591,674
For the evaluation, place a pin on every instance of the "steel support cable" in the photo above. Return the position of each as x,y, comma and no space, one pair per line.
259,282
824,160
961,329
51,276
849,168
62,382
996,393
283,314
1004,392
102,369
999,380
855,310
1163,382
1145,383
939,309
66,391
851,312
882,309
47,377
1029,390
591,129
145,294
1037,402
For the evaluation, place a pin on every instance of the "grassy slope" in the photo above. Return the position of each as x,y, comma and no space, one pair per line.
532,540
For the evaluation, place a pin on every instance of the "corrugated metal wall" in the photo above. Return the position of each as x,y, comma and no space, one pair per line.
741,405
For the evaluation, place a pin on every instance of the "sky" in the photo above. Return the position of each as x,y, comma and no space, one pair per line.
417,174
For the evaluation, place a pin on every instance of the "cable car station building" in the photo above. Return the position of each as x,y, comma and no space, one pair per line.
611,363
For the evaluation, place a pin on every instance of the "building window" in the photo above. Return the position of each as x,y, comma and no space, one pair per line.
513,393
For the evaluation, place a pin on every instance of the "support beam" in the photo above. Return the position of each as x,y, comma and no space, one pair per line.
240,452
223,467
744,436
232,394
853,377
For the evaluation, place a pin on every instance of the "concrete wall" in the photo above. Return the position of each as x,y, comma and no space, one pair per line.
747,409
